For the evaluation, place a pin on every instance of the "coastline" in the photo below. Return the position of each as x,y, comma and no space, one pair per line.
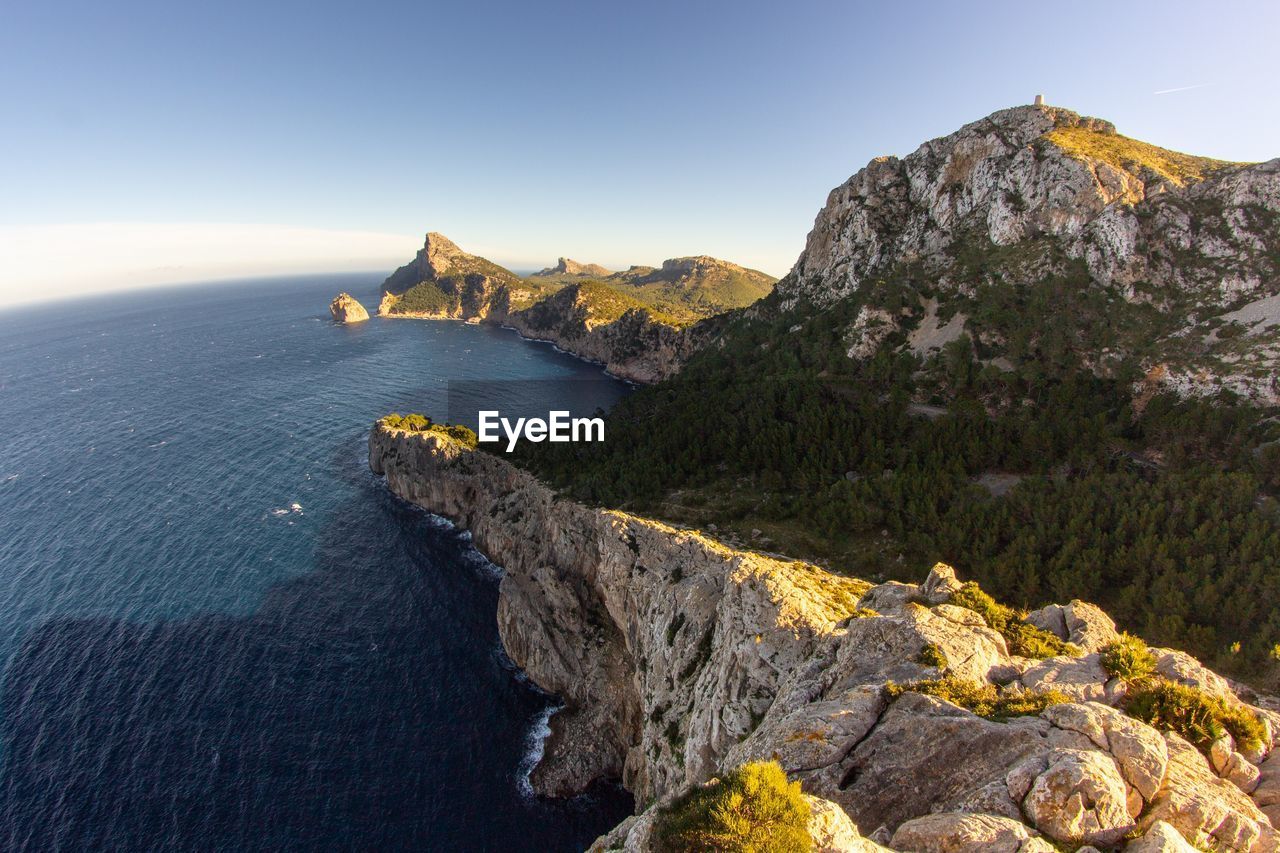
677,656
556,345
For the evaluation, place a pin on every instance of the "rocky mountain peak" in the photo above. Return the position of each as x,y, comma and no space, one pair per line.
439,255
568,266
1031,193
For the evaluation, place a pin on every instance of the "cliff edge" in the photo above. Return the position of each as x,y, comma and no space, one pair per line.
929,715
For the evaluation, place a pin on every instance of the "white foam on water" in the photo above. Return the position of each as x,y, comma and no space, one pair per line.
535,747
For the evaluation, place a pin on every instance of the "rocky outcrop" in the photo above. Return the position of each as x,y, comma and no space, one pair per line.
345,309
678,657
570,268
1184,251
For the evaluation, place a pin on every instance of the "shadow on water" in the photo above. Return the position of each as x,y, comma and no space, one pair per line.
366,705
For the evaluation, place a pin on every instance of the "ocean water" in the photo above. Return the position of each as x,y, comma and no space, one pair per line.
218,630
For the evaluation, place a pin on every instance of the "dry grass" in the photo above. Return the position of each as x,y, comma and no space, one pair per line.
1133,156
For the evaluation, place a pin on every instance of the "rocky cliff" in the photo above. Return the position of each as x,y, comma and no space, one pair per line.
346,309
678,657
1168,263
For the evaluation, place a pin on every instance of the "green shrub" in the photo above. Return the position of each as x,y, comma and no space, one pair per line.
985,700
932,655
753,809
1198,716
1022,637
1128,658
422,423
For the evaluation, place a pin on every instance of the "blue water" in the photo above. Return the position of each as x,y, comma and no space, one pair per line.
218,630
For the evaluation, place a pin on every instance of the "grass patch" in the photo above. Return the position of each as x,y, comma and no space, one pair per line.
1128,659
1199,717
985,700
932,655
1134,156
752,809
1022,637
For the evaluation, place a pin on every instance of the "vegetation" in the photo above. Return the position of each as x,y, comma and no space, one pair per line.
753,809
932,655
985,700
424,298
1194,714
1132,155
1128,659
1021,636
422,423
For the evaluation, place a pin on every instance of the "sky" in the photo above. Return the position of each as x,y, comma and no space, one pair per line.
146,142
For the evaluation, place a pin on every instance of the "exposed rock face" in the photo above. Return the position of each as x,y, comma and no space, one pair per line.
345,309
1178,244
567,267
633,346
678,657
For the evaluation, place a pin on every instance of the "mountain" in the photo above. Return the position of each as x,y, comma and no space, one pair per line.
641,324
443,281
1034,349
695,284
566,268
1165,267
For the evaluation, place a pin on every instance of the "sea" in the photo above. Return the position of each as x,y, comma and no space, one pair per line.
218,630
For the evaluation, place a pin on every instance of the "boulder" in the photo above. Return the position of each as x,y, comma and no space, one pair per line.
1080,797
1160,838
1083,679
1088,626
1138,750
941,584
960,832
833,831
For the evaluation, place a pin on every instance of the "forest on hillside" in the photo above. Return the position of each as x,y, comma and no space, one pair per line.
1166,516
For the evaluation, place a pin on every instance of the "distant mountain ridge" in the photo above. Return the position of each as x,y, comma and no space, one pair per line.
641,323
568,267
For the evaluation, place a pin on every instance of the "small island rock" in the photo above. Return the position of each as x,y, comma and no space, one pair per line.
345,309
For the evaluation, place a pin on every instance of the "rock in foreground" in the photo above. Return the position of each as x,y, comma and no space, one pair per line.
346,309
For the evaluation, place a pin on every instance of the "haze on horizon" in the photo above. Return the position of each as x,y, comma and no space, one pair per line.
151,143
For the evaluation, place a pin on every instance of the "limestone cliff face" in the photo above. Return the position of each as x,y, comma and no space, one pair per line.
678,657
633,345
1186,248
346,309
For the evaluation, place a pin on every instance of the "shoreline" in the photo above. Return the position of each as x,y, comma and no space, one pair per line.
604,367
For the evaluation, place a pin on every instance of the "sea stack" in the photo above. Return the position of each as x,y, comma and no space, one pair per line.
346,309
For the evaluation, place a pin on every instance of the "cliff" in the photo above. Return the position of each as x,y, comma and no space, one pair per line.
346,309
678,657
1167,264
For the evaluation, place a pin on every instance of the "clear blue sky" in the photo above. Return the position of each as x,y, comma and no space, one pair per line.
610,132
